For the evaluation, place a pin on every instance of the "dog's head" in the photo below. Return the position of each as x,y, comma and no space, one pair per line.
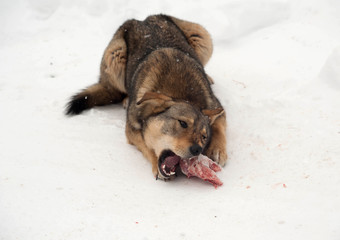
174,129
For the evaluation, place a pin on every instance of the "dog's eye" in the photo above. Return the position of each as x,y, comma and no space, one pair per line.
183,124
204,137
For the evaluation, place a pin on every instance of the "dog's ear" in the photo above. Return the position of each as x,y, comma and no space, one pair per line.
153,103
213,114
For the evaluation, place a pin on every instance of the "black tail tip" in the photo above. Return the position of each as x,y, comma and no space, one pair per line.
77,105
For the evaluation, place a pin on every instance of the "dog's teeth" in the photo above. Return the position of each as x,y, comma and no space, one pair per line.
172,172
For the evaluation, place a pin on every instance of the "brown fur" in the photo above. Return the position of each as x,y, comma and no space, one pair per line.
156,67
198,38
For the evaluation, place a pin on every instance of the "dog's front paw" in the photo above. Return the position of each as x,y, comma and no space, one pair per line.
218,155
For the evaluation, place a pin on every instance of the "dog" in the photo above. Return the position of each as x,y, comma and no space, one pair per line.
156,68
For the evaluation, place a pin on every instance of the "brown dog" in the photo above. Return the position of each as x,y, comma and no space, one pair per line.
155,67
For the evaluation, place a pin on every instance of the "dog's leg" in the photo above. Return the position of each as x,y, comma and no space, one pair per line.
198,38
135,138
217,147
113,65
110,88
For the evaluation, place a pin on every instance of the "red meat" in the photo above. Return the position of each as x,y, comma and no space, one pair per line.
201,167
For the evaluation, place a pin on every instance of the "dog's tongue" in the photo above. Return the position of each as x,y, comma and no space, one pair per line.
171,161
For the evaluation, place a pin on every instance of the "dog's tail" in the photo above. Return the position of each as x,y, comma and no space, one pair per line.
95,95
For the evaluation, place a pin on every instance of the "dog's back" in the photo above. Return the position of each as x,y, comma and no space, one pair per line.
155,32
132,45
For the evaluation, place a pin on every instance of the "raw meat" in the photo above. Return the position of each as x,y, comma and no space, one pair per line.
201,167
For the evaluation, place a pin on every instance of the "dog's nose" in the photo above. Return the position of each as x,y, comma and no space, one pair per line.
196,149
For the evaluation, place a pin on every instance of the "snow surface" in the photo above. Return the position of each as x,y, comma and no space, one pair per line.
276,71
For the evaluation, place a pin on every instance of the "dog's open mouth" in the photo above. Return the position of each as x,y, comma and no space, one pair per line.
168,162
200,166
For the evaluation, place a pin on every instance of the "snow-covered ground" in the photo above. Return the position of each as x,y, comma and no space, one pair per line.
276,71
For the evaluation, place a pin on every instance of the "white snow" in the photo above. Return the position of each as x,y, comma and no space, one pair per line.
276,71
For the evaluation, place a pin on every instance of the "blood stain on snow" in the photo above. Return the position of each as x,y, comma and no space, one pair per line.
240,83
278,185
